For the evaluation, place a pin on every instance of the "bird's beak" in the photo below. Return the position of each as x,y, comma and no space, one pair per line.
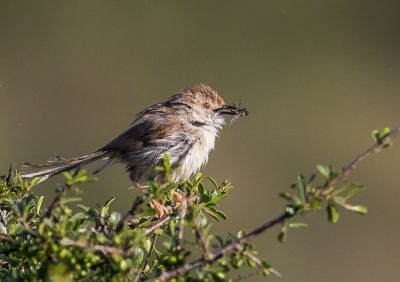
227,110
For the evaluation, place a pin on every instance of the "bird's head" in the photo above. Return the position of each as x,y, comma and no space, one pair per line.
201,106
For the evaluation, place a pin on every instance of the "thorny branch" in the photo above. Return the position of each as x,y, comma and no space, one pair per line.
239,245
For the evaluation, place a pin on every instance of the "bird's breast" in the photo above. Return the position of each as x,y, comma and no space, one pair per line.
202,143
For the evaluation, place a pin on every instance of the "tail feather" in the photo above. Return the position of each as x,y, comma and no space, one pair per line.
58,165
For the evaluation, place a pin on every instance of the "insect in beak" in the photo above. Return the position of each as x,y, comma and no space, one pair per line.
232,110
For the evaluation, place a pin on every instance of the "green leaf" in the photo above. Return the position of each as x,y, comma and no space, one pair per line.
282,236
115,217
158,231
67,175
324,170
333,215
147,245
353,192
266,272
298,225
220,213
213,182
379,135
3,229
301,184
39,204
359,209
201,220
201,188
71,200
106,206
213,215
287,196
34,181
138,255
109,201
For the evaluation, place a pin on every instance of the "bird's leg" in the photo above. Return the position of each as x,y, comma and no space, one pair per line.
161,210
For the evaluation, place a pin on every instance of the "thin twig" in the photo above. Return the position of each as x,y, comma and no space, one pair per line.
3,217
146,261
161,223
105,250
349,168
182,215
203,241
10,176
129,214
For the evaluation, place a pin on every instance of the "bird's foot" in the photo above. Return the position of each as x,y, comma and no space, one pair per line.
161,210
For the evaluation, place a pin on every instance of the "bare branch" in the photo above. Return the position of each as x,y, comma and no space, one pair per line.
105,250
161,223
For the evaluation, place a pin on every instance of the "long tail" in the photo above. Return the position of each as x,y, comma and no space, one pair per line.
58,165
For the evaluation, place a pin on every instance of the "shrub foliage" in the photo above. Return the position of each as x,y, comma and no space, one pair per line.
71,241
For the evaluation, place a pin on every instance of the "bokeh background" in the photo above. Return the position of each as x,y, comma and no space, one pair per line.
317,77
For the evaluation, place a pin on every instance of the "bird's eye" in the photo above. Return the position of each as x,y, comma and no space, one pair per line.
206,106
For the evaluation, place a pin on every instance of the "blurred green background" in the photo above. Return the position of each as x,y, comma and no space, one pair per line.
316,76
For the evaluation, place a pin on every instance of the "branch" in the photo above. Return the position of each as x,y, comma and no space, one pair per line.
146,261
348,169
239,245
233,247
105,250
129,214
182,215
161,223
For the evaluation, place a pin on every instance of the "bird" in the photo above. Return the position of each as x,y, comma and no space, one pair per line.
185,127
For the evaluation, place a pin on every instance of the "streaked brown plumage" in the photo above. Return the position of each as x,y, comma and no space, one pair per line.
185,127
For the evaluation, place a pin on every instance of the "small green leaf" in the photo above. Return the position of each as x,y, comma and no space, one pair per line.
384,132
301,184
71,200
333,215
298,225
282,236
201,220
159,231
3,229
324,170
201,188
147,245
109,201
359,209
139,255
39,204
220,213
34,181
353,192
213,182
286,196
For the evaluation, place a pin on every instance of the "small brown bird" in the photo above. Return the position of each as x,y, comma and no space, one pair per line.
185,127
